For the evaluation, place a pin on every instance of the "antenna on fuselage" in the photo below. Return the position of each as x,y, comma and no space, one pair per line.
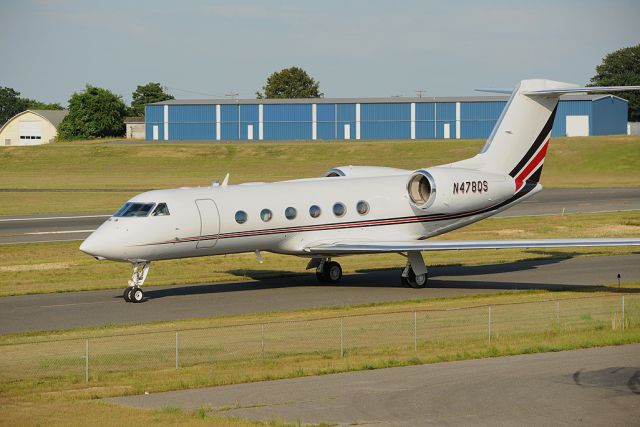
225,181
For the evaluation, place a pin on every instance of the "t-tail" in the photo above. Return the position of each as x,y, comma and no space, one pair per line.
518,143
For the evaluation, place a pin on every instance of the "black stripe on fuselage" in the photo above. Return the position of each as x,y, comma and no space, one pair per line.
357,224
537,143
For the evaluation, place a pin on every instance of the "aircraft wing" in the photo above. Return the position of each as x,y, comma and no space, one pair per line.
359,247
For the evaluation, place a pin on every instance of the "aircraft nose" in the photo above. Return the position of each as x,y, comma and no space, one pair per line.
91,246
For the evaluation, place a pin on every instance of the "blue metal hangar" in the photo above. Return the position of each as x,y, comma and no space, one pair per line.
367,118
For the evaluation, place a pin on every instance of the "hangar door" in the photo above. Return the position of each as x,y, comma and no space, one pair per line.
577,126
209,223
30,132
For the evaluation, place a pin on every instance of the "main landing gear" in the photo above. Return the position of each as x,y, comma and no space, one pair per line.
327,271
133,293
415,274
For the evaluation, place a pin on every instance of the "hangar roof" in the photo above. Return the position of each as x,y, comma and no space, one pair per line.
54,116
365,100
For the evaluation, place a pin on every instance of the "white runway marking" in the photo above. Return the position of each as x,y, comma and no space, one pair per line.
54,217
59,232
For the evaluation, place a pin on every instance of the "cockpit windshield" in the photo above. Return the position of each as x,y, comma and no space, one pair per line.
134,209
161,210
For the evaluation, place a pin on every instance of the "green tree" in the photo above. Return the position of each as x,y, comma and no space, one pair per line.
32,104
621,68
146,94
93,113
291,82
10,104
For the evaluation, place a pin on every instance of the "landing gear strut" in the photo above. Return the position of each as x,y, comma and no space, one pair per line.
327,271
415,274
134,293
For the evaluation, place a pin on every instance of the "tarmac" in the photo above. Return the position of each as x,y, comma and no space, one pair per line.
96,308
587,387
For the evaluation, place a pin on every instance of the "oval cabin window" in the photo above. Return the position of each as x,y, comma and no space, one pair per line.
290,213
314,211
266,215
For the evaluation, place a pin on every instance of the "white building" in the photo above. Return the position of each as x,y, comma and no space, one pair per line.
135,127
31,127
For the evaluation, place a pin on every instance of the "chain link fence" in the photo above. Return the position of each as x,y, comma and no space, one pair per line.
404,332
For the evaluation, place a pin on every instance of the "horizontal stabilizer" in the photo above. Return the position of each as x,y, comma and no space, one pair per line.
354,247
507,91
561,91
565,90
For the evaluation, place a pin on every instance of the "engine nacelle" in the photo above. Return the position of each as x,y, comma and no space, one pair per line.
452,190
364,171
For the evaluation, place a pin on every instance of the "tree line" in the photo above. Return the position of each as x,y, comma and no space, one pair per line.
97,112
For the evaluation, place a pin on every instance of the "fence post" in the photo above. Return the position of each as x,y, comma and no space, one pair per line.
622,313
415,331
177,346
262,340
86,360
341,338
489,324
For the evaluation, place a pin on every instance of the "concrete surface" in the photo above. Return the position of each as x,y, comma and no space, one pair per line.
590,387
94,308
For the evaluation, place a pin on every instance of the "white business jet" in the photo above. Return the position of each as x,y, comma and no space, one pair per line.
352,209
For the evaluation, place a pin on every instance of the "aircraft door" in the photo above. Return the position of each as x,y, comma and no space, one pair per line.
209,223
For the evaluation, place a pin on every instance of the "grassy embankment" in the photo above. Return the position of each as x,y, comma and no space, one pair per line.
59,267
43,379
101,176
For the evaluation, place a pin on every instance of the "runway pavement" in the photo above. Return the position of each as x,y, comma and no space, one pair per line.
95,308
590,387
38,228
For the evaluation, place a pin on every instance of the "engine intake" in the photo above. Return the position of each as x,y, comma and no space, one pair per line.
422,189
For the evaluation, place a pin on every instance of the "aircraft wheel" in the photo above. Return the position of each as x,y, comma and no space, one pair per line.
332,272
419,281
127,294
136,294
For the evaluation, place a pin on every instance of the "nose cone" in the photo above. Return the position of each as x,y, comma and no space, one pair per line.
92,246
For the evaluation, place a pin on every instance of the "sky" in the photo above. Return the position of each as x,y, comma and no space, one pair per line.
354,48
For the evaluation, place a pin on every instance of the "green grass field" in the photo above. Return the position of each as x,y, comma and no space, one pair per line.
89,168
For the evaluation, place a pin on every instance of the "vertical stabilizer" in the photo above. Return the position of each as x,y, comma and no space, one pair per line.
518,143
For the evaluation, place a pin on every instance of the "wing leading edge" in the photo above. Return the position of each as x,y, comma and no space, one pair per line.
359,247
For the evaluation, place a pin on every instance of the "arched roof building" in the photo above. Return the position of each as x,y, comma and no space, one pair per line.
31,127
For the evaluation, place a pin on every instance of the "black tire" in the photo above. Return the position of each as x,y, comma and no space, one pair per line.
126,294
137,295
403,280
320,277
332,272
417,282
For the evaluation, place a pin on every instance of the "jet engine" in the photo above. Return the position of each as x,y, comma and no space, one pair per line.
451,190
364,171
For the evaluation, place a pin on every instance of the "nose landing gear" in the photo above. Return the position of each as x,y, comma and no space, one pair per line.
134,293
